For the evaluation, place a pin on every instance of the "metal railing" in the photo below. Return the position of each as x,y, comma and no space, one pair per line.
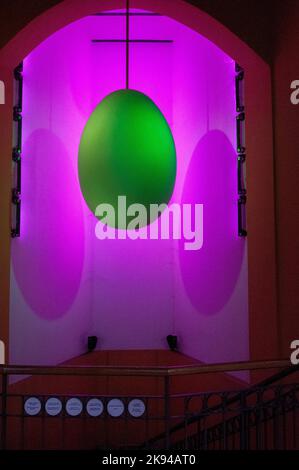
90,407
263,416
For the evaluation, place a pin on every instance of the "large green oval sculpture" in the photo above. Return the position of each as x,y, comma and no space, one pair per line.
127,149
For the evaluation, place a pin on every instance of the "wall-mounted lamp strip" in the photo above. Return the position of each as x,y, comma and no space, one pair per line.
17,151
241,133
239,92
242,174
241,149
242,216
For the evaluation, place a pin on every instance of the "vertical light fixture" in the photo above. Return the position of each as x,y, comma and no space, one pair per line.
241,149
16,151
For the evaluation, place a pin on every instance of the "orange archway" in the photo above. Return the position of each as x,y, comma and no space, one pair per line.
260,209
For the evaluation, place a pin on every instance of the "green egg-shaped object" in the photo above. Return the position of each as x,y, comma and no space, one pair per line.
127,149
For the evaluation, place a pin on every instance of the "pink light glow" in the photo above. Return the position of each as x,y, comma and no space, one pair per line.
210,275
48,258
132,289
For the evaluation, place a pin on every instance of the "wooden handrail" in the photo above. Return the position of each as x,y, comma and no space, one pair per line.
145,371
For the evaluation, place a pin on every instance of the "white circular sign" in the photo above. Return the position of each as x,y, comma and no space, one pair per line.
136,408
94,407
32,406
115,407
53,406
74,407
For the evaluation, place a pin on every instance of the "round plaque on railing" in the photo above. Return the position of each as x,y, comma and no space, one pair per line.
32,406
115,407
136,408
94,407
53,406
74,407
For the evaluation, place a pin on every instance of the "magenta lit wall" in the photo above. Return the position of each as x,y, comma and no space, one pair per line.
66,284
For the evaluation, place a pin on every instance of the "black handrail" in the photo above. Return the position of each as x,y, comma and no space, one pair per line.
210,409
266,404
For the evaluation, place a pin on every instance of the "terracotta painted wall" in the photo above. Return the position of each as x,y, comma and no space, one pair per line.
286,115
246,18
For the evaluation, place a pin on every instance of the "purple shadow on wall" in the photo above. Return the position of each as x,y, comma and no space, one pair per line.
210,274
48,258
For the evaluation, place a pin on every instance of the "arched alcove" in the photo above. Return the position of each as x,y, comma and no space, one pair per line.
261,243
